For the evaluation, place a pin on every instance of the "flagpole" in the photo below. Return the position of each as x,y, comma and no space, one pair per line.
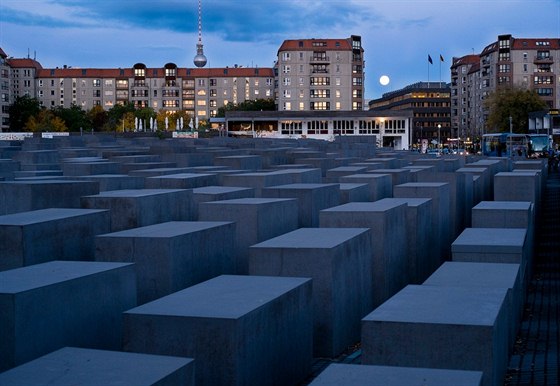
440,72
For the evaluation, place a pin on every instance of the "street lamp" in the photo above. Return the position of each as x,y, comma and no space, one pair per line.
439,137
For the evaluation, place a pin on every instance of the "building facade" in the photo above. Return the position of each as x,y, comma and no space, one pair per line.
311,74
391,129
321,74
532,64
429,104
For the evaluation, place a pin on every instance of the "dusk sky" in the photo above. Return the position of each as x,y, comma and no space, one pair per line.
397,35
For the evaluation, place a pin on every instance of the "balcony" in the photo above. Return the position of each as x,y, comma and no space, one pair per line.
319,59
539,59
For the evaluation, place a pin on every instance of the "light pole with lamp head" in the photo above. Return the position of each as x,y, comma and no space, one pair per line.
439,138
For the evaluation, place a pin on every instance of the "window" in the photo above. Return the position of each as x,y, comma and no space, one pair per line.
320,81
96,82
504,68
108,82
319,106
140,72
356,81
287,94
320,93
301,106
286,81
286,69
213,82
319,56
318,127
544,91
40,83
287,105
201,82
286,56
337,81
504,56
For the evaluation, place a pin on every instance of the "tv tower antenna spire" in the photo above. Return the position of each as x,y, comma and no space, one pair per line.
200,59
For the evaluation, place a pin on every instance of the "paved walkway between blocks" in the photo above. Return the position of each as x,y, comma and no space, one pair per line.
535,360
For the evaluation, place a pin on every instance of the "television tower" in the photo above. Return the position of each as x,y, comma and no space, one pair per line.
199,59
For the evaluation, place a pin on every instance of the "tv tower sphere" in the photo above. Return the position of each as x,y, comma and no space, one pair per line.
199,59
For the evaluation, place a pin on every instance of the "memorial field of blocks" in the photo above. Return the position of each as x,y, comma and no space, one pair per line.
242,261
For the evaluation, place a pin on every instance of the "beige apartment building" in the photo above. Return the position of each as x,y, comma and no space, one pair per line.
321,74
310,74
524,62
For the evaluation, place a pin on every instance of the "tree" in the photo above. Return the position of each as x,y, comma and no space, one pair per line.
248,105
98,117
74,117
45,120
21,110
119,113
514,102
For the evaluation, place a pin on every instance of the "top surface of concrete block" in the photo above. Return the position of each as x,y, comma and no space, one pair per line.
442,305
412,202
41,275
501,205
40,215
505,240
86,367
312,238
226,296
135,192
376,206
167,229
422,184
219,189
455,273
248,201
367,375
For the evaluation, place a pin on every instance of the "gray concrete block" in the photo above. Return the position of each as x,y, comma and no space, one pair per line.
181,181
492,275
24,196
257,180
48,306
421,261
243,162
380,185
89,168
311,199
337,374
353,193
461,328
140,207
171,256
398,176
333,175
257,219
494,245
440,194
387,220
218,193
114,181
241,330
339,262
38,236
518,186
79,366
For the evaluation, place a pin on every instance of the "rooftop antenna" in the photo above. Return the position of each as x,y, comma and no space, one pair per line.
199,59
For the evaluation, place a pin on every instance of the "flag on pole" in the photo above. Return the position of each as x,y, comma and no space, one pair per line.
430,59
441,58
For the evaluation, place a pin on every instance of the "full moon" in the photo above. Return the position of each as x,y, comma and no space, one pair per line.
384,80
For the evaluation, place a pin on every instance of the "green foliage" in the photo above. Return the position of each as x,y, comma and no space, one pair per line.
21,110
516,103
248,105
45,120
98,117
74,117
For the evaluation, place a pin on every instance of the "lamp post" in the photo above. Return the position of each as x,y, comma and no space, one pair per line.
439,137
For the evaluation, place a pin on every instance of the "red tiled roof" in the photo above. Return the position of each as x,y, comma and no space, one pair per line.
531,44
24,63
312,45
154,72
474,68
463,60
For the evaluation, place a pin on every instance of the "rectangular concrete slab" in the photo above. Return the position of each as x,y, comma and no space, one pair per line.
389,259
339,261
337,374
440,327
48,306
171,256
241,330
134,208
87,367
257,219
43,235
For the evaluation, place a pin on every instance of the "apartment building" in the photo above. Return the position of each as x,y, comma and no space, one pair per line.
530,63
429,103
4,90
320,74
